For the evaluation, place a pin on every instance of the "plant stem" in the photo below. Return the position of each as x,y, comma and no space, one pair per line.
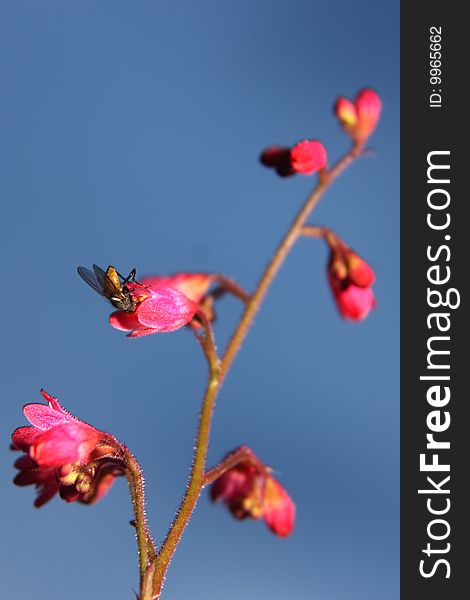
228,285
196,479
146,548
218,371
314,231
146,583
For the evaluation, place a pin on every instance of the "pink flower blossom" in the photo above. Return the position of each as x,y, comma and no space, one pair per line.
359,118
306,157
350,279
64,454
249,490
162,303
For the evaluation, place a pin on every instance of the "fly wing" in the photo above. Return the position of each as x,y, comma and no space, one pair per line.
95,279
91,278
109,287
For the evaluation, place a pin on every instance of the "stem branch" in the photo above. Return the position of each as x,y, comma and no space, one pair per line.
314,231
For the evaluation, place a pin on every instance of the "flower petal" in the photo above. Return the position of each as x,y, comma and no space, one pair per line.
193,285
354,302
46,493
278,508
44,417
166,310
35,476
25,462
346,112
359,272
24,437
234,485
368,106
44,479
124,321
67,443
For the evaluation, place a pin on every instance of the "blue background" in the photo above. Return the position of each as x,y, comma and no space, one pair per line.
129,135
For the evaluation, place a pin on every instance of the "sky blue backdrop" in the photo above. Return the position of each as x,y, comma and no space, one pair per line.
129,134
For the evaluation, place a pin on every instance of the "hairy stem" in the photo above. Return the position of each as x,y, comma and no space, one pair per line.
196,479
145,545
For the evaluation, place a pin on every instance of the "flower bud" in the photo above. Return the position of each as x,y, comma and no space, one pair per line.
306,157
350,279
249,490
359,118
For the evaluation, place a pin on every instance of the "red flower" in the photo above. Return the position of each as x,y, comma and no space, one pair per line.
305,157
162,303
350,279
249,490
64,454
359,119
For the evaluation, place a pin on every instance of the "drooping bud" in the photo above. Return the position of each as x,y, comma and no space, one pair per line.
249,490
305,158
350,279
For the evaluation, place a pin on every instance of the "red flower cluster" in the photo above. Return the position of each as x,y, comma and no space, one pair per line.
65,455
305,158
163,303
359,118
350,279
250,490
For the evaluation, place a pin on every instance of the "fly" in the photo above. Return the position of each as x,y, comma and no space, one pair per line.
112,285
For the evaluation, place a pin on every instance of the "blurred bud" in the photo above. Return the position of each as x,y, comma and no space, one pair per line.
306,157
350,279
359,118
